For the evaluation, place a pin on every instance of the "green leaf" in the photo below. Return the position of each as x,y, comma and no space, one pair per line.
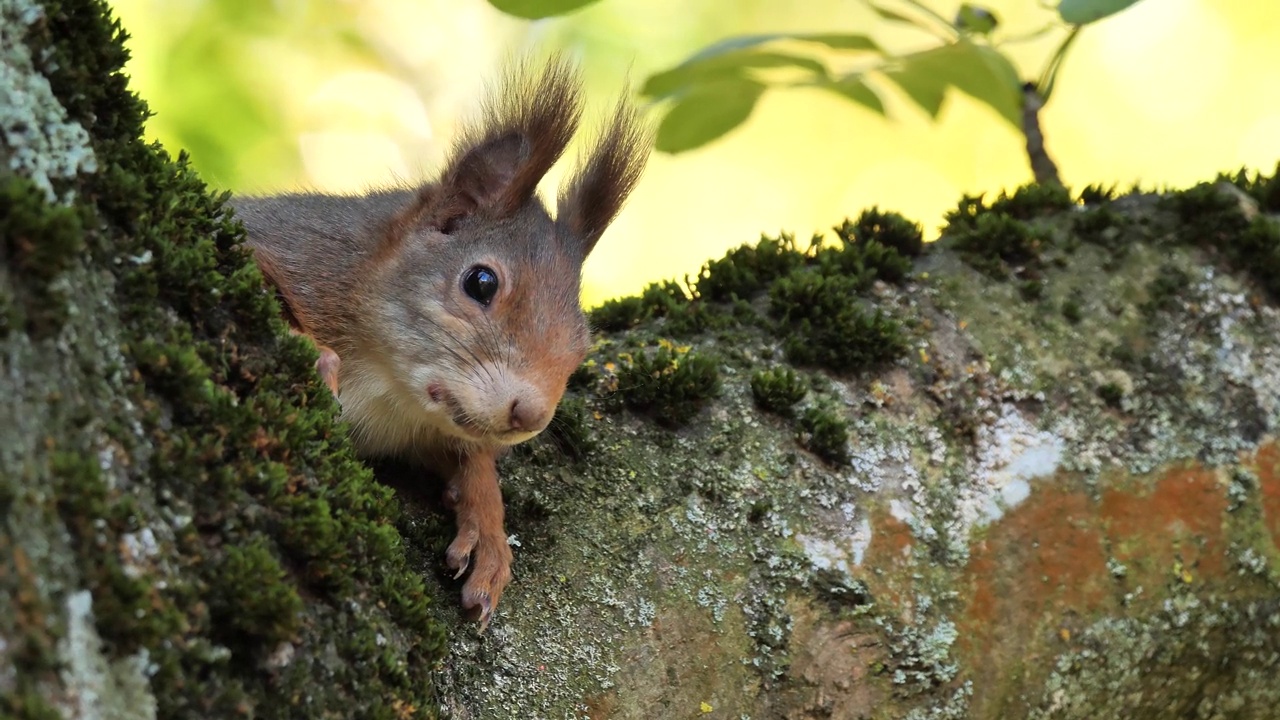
856,89
731,58
896,16
978,71
976,19
838,41
924,88
943,29
1083,12
537,9
718,68
706,113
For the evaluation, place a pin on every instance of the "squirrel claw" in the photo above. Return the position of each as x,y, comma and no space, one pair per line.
458,556
479,609
490,574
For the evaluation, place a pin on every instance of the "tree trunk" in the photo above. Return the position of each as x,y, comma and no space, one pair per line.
1030,472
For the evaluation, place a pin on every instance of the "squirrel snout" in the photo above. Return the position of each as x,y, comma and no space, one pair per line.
527,416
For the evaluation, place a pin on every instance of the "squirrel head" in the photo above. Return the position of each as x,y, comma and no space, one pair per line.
476,286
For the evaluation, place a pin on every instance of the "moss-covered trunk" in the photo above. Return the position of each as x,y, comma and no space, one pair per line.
184,532
1029,471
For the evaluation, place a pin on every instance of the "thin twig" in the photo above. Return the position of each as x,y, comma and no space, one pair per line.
1042,166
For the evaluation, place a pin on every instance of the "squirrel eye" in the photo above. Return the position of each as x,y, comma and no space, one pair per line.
481,284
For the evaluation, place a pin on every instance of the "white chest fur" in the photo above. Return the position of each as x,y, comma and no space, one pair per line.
386,420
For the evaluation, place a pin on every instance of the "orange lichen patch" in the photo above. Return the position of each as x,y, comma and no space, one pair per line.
1267,465
887,562
1041,561
1178,521
1046,552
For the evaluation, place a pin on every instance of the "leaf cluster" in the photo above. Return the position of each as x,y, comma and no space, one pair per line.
717,88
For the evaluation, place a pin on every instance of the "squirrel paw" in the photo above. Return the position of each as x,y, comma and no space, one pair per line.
327,366
489,558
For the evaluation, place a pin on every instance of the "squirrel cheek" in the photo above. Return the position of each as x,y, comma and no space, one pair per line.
436,392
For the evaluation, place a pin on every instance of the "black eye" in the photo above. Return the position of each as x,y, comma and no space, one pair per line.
481,284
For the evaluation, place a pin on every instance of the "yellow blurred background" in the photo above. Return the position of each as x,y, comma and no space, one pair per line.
342,95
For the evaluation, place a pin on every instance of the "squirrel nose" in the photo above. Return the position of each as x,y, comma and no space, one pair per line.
525,416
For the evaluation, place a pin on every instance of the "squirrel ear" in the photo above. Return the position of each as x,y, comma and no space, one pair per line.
604,178
524,128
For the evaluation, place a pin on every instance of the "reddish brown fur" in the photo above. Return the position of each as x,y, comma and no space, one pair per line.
289,307
605,179
403,223
376,281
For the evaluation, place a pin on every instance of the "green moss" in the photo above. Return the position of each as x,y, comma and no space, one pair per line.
29,624
583,377
1206,215
667,301
1111,393
999,245
83,53
1035,200
668,384
28,705
1072,310
864,262
1026,203
778,390
1262,188
825,433
1101,226
665,298
1031,290
239,435
39,243
999,241
253,601
873,248
824,325
619,314
130,610
570,429
1097,194
889,229
1170,283
966,213
11,316
683,316
1257,250
700,317
748,270
1211,217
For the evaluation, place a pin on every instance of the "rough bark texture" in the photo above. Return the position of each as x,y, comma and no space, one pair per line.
1029,471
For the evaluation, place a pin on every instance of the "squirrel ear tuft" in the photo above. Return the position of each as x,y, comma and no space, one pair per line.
523,129
604,178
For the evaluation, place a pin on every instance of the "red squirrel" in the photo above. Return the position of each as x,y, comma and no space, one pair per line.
448,316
